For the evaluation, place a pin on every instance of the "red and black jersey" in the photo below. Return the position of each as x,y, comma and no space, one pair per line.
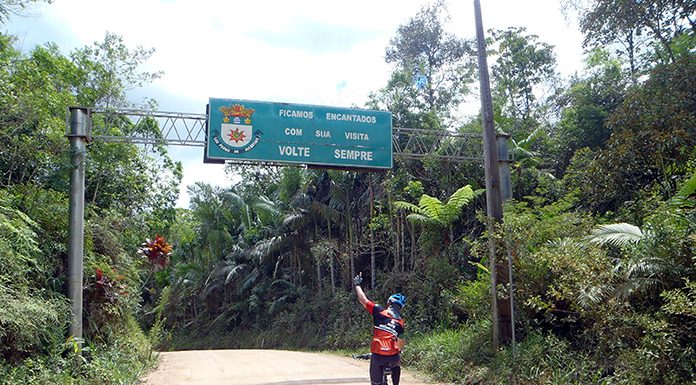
386,330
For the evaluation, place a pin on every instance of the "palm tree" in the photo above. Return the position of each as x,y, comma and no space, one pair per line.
657,257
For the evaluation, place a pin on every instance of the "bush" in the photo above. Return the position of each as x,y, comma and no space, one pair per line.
29,319
452,355
545,359
122,361
29,315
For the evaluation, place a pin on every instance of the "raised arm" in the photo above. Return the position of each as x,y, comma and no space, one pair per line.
362,298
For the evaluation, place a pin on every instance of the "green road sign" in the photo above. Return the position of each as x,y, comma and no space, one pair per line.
297,133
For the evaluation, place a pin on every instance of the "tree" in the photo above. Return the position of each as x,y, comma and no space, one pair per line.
436,62
643,31
15,7
523,64
586,105
106,70
651,144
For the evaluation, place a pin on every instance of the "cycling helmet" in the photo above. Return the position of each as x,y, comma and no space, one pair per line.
398,299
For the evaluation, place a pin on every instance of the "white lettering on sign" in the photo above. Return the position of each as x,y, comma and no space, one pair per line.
296,114
293,131
357,136
294,151
353,154
351,118
322,134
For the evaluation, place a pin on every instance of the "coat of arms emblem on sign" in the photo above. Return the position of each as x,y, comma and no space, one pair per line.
236,131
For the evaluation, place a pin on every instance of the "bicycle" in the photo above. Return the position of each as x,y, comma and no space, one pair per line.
386,372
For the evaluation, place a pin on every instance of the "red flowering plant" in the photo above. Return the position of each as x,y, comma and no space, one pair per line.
106,289
106,296
157,252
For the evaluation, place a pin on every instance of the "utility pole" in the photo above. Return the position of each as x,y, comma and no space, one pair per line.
494,208
372,237
78,133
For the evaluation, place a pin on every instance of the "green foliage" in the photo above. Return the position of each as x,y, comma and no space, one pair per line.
473,297
35,90
651,144
522,64
431,210
587,104
681,301
121,362
452,355
30,315
642,32
106,70
29,319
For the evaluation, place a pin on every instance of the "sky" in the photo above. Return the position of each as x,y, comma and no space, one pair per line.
308,52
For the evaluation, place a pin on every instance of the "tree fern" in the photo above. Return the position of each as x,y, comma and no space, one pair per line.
431,210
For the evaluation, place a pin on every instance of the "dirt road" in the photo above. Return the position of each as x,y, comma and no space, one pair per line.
261,367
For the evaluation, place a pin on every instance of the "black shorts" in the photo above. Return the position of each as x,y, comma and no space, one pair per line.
377,364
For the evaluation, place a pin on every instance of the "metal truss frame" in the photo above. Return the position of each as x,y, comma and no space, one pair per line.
189,129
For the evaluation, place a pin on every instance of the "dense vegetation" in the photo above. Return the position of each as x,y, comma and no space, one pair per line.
35,90
601,230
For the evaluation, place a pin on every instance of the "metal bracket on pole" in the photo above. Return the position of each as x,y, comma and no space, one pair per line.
504,165
78,134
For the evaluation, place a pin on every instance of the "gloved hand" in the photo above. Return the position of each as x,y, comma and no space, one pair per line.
357,281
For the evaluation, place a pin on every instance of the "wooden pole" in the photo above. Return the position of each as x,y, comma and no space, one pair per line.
373,277
494,208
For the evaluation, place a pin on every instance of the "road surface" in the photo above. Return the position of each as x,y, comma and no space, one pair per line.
261,367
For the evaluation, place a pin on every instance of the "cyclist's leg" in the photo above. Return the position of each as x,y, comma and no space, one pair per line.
376,369
396,374
395,364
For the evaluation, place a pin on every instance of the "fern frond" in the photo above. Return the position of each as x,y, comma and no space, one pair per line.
461,197
235,200
419,219
248,282
409,207
234,273
480,267
592,295
456,202
433,207
686,195
618,234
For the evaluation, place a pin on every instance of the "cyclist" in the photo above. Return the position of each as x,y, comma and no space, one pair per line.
388,332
